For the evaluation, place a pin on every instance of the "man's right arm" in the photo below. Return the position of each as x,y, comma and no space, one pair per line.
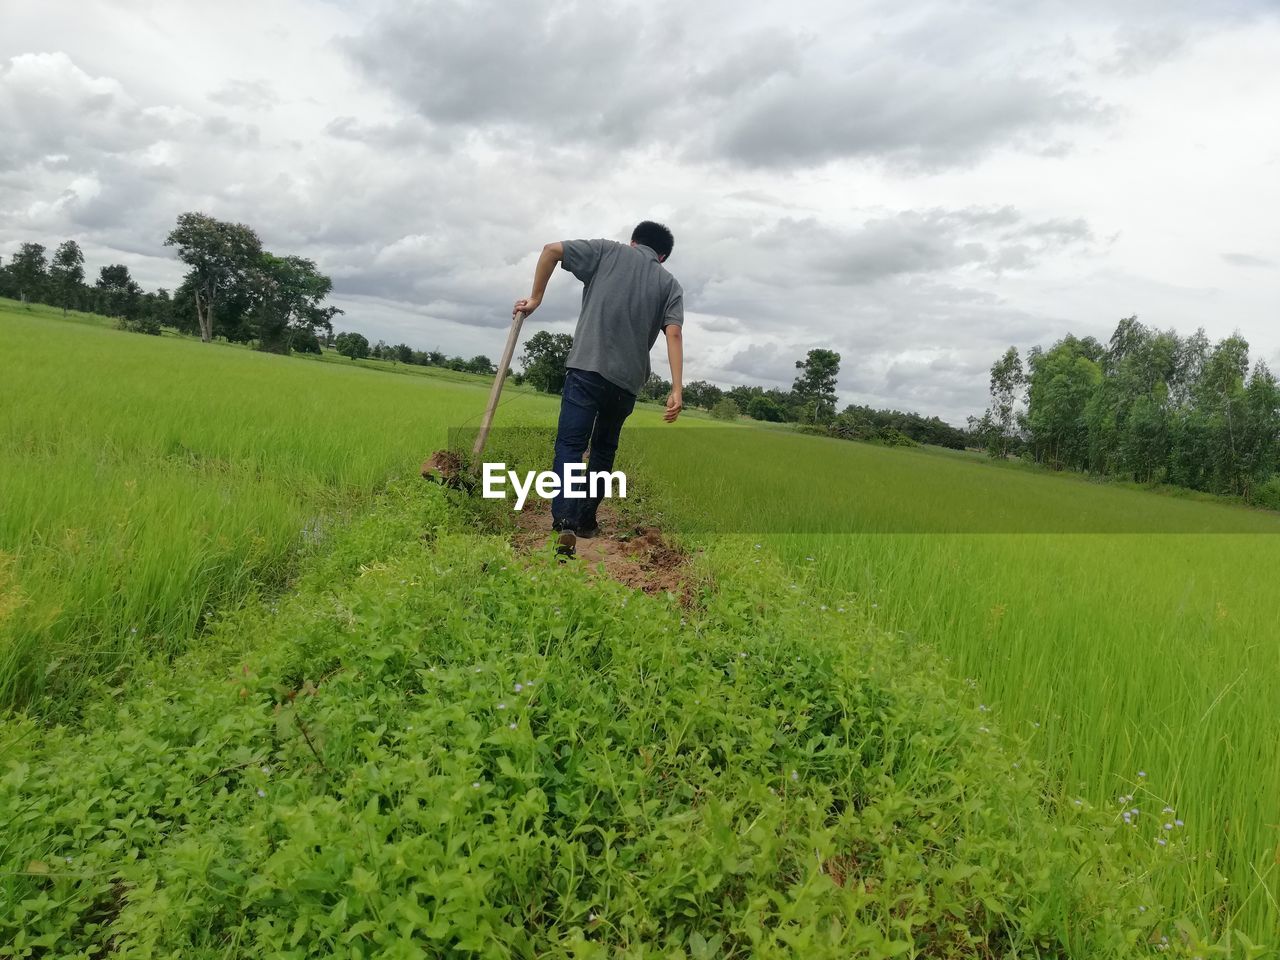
675,357
552,254
672,326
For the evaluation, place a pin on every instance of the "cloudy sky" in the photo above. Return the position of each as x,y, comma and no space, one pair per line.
917,185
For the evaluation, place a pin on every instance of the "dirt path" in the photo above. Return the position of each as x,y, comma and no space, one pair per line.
635,556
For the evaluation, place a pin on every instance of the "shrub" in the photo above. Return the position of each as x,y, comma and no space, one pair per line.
726,409
848,427
1267,494
148,325
762,408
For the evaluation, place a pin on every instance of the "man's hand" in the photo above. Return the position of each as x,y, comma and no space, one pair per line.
675,403
526,306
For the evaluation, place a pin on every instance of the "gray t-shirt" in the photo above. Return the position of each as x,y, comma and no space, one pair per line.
628,298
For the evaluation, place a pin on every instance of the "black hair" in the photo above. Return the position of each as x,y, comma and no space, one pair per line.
654,236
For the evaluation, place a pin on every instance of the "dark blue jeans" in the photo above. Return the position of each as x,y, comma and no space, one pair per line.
592,411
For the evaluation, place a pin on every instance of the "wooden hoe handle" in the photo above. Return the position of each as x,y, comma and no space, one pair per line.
514,335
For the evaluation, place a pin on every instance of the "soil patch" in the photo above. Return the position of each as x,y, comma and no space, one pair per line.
636,556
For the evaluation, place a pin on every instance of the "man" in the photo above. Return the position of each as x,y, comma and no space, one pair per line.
627,299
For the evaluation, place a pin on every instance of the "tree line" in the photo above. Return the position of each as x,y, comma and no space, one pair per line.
233,288
32,275
356,346
1148,405
236,290
811,401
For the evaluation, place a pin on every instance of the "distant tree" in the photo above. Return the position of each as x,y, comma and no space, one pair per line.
287,296
305,341
1260,432
1006,384
220,256
1060,382
353,345
66,274
743,395
767,409
403,353
456,363
29,270
655,388
815,388
435,358
544,360
119,292
481,364
159,306
699,393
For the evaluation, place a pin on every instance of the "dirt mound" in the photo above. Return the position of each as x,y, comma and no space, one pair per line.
637,557
446,467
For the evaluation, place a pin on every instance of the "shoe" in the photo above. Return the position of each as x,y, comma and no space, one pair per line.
566,543
586,533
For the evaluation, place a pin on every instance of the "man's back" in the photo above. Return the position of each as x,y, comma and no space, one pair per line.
628,298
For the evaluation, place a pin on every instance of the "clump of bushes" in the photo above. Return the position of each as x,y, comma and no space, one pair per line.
726,409
140,324
1267,494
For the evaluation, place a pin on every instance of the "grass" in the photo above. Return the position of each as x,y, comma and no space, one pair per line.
431,747
151,482
1122,633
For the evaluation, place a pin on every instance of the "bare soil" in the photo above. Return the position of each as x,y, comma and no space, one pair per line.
635,556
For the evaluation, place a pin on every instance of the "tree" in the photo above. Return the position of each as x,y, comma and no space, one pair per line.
159,306
67,273
816,385
28,268
119,292
287,293
743,395
1060,382
1006,383
544,358
305,341
220,256
402,353
654,388
764,408
482,365
702,394
353,345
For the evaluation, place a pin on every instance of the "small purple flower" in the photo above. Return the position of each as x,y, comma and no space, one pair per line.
261,792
